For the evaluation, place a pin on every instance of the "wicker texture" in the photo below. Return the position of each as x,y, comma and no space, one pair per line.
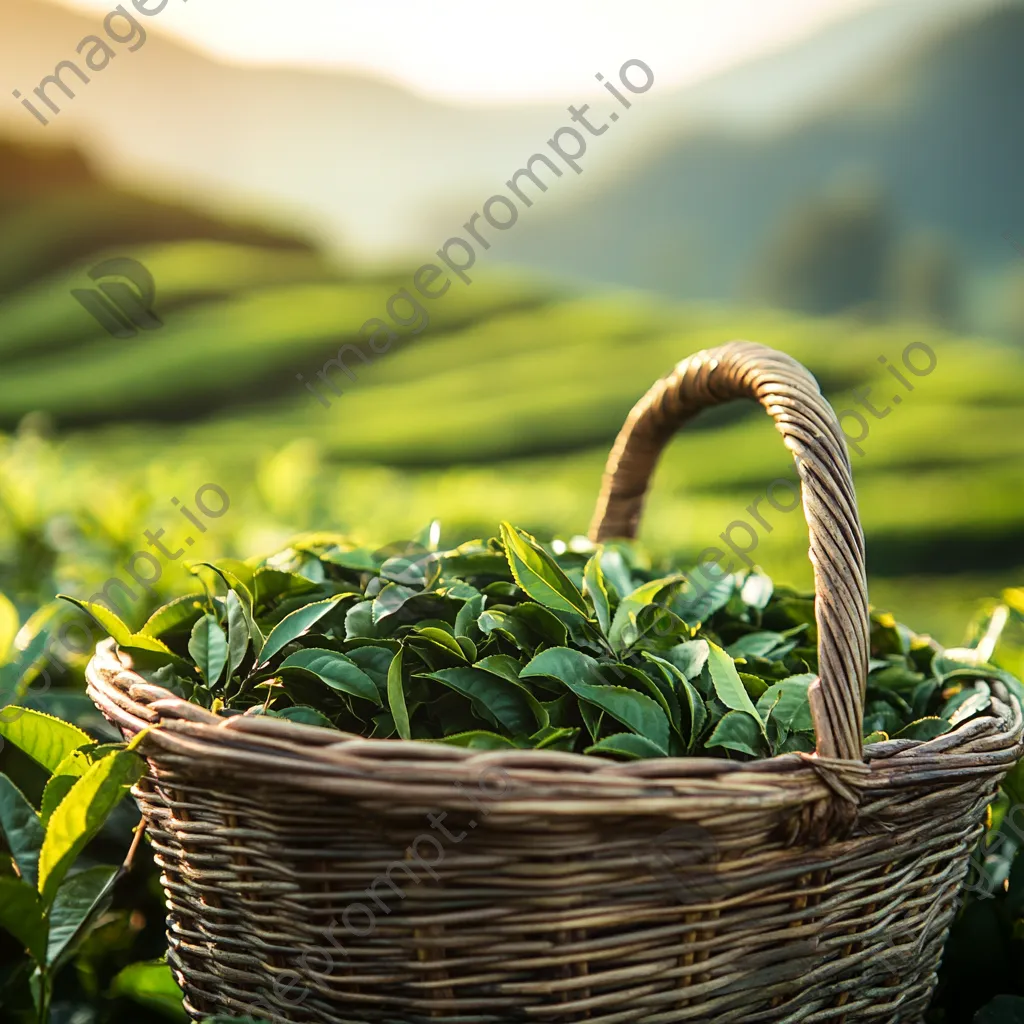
541,886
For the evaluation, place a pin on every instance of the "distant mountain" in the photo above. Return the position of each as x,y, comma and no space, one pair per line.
55,210
939,129
361,161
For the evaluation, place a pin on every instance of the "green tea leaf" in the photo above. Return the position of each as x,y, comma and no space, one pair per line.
478,739
72,768
538,574
738,731
21,914
81,815
152,985
631,605
9,625
47,740
22,830
765,644
756,590
627,745
508,705
396,698
304,715
293,626
786,704
79,901
239,634
180,613
336,670
440,638
729,687
595,588
923,729
578,672
209,649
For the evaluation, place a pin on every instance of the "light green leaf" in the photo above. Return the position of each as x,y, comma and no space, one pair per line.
439,638
177,613
538,574
294,625
596,589
20,826
738,731
689,657
8,628
581,674
81,815
336,670
396,698
209,649
47,740
116,628
630,606
21,914
729,687
79,901
756,591
65,775
153,985
627,745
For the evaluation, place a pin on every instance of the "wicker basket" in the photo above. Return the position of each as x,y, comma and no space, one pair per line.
318,876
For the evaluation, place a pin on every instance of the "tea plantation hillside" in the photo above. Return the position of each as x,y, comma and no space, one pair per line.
502,407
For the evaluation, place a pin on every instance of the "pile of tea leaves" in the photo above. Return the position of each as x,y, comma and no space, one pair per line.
508,643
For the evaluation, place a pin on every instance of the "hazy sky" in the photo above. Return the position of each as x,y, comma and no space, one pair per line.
480,50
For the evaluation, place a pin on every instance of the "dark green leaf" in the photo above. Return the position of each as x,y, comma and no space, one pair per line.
580,674
79,901
336,670
396,698
506,704
209,649
21,914
627,745
479,739
304,715
293,626
923,729
21,827
738,731
239,627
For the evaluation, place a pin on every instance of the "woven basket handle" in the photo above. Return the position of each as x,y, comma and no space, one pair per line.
812,433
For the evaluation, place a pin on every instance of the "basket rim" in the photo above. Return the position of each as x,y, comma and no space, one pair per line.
188,733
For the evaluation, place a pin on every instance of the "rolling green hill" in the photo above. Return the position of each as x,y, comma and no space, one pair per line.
503,408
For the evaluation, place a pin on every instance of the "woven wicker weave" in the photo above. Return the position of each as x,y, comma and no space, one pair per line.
317,876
